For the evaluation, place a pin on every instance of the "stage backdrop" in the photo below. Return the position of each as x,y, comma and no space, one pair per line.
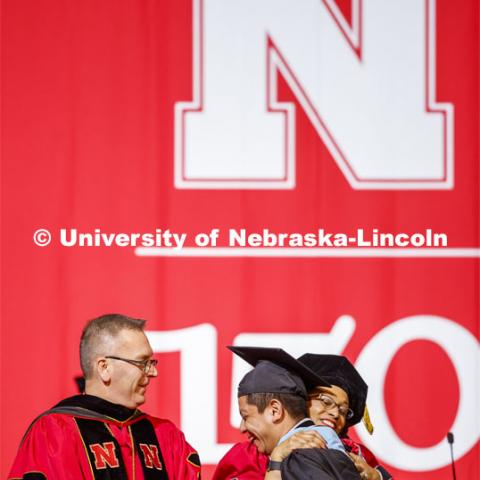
350,127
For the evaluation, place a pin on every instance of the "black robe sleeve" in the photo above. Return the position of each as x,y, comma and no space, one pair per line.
318,464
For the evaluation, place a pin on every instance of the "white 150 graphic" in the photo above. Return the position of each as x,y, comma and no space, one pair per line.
198,346
368,90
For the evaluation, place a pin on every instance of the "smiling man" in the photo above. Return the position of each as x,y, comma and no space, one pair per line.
102,434
272,403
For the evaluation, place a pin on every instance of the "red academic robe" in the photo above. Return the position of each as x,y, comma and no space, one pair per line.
85,437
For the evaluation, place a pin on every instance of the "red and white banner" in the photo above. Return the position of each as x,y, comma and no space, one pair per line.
301,174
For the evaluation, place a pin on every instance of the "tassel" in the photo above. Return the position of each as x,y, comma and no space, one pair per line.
367,422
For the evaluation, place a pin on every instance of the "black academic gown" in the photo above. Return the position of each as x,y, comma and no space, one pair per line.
318,464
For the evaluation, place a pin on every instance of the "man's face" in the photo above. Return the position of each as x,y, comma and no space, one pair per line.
328,406
129,382
259,427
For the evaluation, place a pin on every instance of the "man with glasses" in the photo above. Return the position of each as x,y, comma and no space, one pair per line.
102,434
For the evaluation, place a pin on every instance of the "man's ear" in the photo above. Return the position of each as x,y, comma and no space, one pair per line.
277,410
102,369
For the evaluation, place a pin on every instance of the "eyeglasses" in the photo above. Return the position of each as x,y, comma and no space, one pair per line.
329,403
145,365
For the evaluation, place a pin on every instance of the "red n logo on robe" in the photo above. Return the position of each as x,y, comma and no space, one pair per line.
150,454
104,455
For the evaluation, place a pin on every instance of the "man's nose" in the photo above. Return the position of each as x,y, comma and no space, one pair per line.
153,372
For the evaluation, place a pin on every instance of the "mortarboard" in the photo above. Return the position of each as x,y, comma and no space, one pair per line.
275,371
339,371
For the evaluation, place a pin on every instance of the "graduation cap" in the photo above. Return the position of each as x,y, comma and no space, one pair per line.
339,371
275,371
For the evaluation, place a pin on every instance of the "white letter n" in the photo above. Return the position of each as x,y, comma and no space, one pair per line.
368,89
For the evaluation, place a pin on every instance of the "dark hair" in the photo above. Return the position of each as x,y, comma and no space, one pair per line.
96,332
295,405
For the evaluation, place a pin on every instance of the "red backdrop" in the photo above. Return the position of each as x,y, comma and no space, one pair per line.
89,91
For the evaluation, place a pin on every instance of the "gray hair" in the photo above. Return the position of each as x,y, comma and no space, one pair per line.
96,332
